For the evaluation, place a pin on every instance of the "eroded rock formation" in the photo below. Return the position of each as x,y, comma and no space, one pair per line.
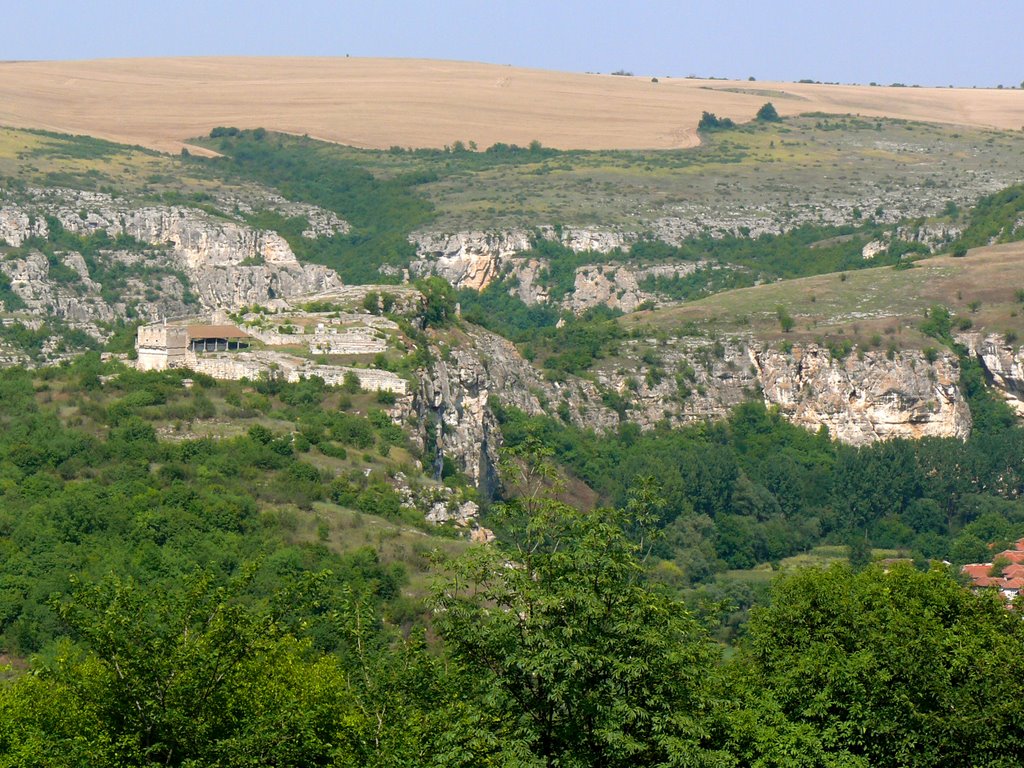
226,263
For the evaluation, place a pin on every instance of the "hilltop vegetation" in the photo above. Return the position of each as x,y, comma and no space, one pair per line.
197,572
584,662
241,474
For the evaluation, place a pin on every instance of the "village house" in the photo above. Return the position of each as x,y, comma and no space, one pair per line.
1005,573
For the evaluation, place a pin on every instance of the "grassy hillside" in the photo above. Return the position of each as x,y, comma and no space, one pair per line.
887,302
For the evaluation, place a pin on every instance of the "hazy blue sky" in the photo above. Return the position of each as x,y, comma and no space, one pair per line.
928,42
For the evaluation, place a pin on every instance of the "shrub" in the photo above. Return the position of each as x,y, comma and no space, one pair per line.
768,114
709,121
785,321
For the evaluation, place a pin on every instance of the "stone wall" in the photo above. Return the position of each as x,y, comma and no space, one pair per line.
161,347
251,365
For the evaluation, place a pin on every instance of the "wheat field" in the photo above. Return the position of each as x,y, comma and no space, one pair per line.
378,103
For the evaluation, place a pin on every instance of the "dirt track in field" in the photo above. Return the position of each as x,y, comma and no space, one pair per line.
160,103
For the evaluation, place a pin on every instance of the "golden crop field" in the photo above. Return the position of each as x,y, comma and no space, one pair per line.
377,103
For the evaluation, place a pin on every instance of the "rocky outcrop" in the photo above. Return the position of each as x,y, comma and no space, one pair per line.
453,407
468,259
866,398
618,287
320,222
226,263
934,236
1003,363
588,240
860,398
681,380
16,225
461,513
475,259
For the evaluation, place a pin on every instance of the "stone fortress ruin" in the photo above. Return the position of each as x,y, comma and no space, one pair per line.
226,351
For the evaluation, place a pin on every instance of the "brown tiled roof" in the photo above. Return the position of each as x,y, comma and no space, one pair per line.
1013,555
1014,571
988,581
976,569
225,332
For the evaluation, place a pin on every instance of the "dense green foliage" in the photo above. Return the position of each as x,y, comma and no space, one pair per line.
560,343
995,218
709,121
175,620
895,669
805,250
554,650
497,309
589,665
757,489
102,494
10,300
767,113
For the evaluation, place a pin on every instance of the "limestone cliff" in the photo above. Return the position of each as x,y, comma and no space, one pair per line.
475,259
225,262
617,286
453,408
1003,363
468,259
862,400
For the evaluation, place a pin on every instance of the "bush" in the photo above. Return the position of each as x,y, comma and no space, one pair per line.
768,114
709,121
785,321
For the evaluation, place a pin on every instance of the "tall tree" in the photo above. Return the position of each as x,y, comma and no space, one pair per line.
585,662
896,668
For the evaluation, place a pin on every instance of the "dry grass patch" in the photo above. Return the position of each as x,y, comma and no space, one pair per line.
883,301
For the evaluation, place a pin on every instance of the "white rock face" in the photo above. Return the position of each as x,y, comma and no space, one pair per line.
874,248
475,259
16,226
227,264
581,240
468,259
455,391
1004,364
461,514
617,286
861,401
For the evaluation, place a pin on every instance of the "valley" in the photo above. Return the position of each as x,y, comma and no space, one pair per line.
392,423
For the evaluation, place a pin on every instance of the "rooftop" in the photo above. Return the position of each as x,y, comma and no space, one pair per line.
223,332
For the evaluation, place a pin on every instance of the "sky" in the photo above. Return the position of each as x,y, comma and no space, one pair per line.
922,42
